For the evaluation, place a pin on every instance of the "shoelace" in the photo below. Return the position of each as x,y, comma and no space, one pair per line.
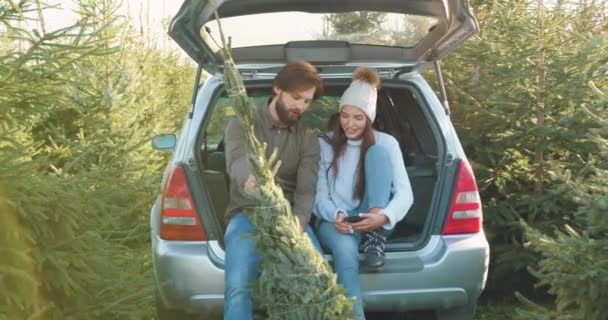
374,241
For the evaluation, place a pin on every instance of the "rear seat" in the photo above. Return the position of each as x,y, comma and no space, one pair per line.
218,182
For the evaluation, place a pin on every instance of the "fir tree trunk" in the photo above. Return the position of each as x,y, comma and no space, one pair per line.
539,114
295,281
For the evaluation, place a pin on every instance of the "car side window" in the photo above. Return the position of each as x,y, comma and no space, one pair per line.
222,111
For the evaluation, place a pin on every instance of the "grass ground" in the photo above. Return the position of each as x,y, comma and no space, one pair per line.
487,312
496,312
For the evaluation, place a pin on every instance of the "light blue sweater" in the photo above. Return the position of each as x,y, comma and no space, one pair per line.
339,196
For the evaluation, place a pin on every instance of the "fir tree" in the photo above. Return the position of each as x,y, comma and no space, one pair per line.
515,90
295,282
77,175
574,266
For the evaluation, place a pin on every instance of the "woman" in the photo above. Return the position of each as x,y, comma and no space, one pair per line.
362,189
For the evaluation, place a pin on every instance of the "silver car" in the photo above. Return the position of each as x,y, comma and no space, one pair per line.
437,258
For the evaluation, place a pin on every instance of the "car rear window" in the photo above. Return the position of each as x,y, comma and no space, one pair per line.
357,27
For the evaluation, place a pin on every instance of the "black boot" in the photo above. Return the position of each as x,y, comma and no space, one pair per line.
373,248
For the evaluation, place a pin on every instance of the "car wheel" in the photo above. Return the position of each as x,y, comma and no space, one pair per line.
163,313
466,312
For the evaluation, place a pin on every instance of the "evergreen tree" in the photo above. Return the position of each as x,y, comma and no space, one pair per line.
514,91
77,176
574,266
295,281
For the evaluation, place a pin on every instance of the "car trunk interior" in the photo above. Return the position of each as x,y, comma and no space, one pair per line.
399,113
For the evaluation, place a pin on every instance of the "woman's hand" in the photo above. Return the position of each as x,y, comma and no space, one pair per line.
342,225
370,222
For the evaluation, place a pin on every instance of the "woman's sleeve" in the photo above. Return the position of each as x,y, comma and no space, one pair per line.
403,197
324,208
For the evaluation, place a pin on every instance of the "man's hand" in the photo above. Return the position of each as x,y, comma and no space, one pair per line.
370,222
250,185
301,223
341,225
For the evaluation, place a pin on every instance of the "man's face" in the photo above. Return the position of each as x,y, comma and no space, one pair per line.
292,104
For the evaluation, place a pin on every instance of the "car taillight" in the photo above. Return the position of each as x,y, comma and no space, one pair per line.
465,210
179,220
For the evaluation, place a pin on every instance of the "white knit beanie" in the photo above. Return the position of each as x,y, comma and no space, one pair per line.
362,92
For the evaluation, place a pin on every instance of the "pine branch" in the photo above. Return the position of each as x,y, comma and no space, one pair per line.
295,281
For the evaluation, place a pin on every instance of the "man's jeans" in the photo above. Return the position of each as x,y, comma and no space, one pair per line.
241,267
345,247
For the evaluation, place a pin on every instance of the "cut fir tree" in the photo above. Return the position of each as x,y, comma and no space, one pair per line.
295,281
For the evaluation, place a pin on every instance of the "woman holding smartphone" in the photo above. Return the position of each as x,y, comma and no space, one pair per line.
362,188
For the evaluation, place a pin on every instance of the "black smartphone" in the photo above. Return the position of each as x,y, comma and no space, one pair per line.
353,219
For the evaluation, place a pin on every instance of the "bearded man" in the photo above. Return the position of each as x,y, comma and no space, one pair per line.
276,123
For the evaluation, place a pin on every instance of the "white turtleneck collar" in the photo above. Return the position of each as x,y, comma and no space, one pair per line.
356,143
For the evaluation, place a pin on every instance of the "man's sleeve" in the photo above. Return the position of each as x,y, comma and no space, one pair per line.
236,158
306,183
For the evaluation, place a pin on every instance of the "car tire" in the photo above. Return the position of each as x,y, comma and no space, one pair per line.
465,312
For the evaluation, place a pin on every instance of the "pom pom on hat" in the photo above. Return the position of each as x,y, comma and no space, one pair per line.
368,75
362,92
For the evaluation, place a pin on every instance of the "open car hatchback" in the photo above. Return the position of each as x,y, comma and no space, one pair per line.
437,258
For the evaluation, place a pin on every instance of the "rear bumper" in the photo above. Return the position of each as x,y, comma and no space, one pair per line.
452,272
186,276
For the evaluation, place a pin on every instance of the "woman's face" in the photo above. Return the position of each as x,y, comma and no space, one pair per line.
353,121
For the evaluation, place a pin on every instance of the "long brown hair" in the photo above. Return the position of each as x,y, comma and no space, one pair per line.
338,144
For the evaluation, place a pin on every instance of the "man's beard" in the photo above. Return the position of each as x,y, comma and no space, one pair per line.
284,115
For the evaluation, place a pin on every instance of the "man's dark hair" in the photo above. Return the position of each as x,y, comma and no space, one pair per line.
299,76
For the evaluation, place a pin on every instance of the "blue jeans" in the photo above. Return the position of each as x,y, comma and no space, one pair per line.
241,267
345,247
